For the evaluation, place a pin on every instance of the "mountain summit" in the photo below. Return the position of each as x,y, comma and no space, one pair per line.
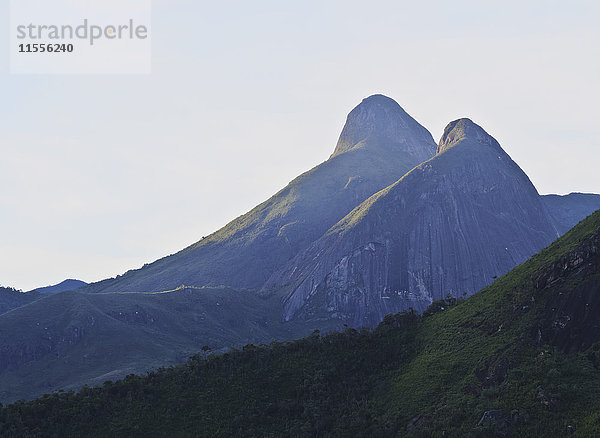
464,129
379,143
380,120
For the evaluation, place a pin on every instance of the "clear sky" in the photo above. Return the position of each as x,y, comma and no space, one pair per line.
100,174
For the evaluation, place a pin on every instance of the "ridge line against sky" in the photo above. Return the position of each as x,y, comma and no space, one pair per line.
100,174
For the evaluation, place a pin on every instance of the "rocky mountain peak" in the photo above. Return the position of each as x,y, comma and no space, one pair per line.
379,119
465,130
449,226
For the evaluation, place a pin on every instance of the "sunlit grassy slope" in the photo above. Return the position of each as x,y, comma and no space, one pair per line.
525,350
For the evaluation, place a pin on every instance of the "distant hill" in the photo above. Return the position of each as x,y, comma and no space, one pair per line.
11,298
566,211
64,286
520,358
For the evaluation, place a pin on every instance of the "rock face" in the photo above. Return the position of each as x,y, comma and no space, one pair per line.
379,143
450,226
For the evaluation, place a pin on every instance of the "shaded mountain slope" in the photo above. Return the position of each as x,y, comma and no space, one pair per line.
70,339
566,211
519,358
449,226
63,286
379,143
11,298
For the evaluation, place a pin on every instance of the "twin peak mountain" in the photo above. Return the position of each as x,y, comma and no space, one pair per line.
390,221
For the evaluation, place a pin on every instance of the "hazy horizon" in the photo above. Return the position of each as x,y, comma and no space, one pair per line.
101,174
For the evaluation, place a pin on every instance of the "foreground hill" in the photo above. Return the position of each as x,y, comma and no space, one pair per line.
380,142
449,226
519,358
70,339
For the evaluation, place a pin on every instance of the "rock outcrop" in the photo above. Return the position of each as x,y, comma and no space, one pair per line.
448,227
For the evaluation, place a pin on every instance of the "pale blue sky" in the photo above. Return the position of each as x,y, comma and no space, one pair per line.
100,174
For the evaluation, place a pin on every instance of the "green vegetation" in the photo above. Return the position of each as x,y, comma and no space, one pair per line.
70,339
503,352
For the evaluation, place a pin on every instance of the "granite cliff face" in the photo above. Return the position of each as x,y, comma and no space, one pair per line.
450,226
379,143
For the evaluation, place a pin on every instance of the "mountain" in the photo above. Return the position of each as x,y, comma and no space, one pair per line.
69,339
11,298
518,359
380,142
566,211
64,286
448,227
